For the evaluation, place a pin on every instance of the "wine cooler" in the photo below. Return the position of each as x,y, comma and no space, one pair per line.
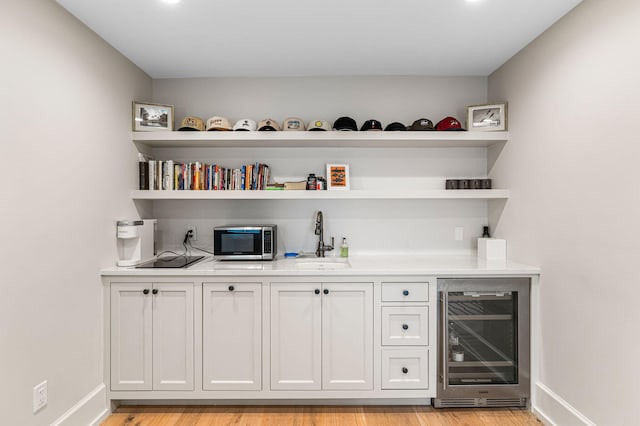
483,336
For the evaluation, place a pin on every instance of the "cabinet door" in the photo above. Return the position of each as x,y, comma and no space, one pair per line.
173,321
131,336
347,336
296,336
232,336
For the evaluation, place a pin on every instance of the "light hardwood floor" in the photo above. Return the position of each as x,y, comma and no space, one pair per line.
317,416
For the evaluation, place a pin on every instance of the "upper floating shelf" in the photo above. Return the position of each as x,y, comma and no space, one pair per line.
320,139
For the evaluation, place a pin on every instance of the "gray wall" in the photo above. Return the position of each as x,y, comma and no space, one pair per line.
572,166
370,226
68,165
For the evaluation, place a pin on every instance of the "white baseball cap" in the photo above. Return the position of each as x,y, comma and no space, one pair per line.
293,124
319,125
218,123
246,124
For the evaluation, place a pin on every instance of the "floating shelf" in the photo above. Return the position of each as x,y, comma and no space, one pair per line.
436,194
320,139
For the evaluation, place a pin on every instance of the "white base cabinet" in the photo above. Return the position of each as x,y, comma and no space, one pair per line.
232,336
152,336
226,338
321,336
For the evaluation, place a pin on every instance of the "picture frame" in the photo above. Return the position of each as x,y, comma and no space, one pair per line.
149,117
338,177
487,118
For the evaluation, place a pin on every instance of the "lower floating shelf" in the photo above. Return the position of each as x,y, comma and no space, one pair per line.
436,194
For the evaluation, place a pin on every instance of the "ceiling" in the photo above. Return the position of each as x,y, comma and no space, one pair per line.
260,38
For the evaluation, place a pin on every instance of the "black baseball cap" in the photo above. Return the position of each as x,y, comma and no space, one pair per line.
422,124
345,123
395,126
371,125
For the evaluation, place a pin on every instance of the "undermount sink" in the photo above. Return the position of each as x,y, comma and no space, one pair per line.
322,263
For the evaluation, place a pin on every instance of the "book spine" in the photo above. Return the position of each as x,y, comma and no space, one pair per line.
152,174
158,174
143,175
176,176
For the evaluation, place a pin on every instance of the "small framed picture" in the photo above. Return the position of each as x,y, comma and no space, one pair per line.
337,176
152,117
487,118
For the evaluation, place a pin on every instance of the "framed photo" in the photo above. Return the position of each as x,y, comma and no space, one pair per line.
152,117
487,118
338,176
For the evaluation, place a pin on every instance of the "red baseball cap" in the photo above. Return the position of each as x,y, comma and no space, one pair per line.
449,123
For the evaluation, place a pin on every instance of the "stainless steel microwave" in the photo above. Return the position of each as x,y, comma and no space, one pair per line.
238,242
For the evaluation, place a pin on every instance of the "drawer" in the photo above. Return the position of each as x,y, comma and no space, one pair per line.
405,291
405,369
405,325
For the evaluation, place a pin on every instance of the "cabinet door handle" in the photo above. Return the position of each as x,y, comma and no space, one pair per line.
154,291
145,291
405,326
405,292
316,291
326,291
231,288
405,370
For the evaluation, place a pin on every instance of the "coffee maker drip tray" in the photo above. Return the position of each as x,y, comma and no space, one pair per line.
170,262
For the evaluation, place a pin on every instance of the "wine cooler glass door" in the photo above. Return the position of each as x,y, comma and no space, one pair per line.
482,337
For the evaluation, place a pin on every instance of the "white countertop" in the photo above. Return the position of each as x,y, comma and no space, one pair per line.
440,265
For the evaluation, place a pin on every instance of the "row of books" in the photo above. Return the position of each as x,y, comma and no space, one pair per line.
169,175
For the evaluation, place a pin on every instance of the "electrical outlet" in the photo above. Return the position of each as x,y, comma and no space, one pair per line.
458,233
39,396
194,232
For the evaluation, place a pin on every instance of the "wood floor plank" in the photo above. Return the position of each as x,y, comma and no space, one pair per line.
317,416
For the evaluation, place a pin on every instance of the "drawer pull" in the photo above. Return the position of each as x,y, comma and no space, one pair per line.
405,370
316,291
405,292
154,291
405,326
145,291
326,291
231,288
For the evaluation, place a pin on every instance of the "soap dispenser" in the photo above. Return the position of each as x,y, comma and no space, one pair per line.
344,248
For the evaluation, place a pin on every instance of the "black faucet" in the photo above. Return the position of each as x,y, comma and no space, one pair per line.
322,248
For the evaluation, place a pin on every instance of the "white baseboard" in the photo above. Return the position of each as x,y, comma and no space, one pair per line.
91,410
551,409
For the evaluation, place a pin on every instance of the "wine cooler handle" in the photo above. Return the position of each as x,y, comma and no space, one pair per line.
444,343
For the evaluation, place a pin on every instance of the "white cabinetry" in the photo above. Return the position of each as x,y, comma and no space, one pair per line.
321,336
408,325
152,336
232,336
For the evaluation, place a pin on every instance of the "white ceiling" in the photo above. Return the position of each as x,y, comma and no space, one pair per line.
213,38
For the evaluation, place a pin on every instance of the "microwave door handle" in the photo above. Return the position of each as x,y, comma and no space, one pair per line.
445,338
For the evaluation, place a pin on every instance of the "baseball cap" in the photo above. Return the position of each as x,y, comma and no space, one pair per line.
345,123
218,123
268,124
190,123
293,124
371,125
246,124
422,124
449,123
395,126
319,125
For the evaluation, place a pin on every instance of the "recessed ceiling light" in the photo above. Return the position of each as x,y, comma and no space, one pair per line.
171,1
